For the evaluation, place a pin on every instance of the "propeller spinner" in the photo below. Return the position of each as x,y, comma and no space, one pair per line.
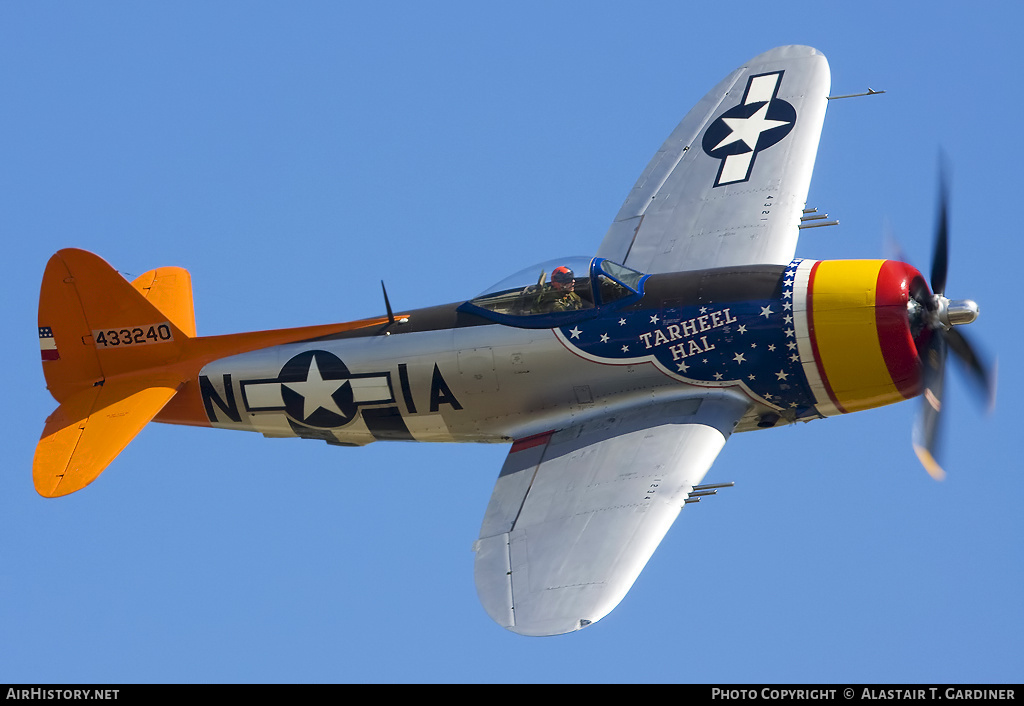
934,319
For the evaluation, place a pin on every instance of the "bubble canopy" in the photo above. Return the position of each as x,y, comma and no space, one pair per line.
558,292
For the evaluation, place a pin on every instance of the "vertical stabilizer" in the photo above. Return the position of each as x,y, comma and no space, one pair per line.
94,325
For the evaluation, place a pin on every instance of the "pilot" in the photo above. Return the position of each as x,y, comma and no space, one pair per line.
561,295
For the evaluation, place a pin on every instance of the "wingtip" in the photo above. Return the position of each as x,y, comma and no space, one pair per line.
549,629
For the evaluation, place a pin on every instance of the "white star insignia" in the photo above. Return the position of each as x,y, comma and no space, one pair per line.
654,319
742,328
682,367
782,375
625,349
622,322
748,130
604,338
766,311
316,392
739,358
575,332
718,376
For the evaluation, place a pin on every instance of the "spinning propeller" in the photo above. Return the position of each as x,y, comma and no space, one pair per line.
934,321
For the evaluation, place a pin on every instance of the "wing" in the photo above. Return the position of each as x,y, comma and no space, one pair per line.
576,514
730,183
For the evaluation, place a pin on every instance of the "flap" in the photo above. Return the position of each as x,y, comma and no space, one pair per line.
576,514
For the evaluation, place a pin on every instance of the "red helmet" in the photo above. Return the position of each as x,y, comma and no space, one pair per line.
562,276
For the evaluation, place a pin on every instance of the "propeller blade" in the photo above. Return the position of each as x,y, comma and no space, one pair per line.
940,258
892,248
982,376
926,429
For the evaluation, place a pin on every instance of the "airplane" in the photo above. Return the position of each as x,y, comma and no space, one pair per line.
616,378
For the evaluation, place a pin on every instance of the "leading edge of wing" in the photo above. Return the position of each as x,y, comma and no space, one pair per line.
710,198
576,514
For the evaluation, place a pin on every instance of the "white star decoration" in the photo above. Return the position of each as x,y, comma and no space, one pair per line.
766,311
316,392
748,130
575,331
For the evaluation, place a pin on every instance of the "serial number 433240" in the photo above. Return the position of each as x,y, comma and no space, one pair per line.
138,335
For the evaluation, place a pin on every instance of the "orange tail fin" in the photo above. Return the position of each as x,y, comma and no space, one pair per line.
105,347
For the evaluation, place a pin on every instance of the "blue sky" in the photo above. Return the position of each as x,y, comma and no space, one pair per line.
291,158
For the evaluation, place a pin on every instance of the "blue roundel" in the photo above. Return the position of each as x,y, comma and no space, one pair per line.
310,367
762,123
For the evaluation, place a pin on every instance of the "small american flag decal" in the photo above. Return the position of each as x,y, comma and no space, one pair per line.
47,346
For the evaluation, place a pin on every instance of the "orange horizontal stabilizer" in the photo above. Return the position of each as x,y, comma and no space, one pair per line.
91,428
169,289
